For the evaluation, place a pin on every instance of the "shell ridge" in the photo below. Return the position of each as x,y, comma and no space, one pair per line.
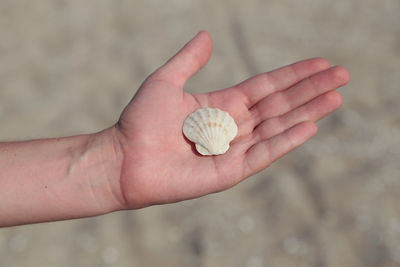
213,129
224,130
216,130
202,133
206,136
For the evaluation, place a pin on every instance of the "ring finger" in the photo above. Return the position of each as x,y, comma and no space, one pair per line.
312,111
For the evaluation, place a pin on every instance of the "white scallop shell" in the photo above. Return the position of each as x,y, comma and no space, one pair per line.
211,129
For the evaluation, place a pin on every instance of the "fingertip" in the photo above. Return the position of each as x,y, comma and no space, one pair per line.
202,38
335,98
341,74
204,34
319,63
206,39
310,128
187,61
331,101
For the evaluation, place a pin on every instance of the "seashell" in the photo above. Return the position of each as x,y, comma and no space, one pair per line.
211,129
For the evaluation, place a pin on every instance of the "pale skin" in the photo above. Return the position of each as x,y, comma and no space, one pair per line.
144,159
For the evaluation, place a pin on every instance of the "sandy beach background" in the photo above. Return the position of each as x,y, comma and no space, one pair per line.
70,67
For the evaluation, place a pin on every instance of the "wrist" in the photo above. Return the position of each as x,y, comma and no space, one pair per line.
103,159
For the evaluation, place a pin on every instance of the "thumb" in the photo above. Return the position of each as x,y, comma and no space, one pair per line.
187,62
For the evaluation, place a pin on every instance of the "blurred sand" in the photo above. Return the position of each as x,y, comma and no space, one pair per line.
69,67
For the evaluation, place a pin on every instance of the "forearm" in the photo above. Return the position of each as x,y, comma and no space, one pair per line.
62,178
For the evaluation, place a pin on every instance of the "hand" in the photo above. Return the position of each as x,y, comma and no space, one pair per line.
275,112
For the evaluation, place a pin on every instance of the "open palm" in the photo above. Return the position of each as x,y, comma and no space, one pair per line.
275,112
